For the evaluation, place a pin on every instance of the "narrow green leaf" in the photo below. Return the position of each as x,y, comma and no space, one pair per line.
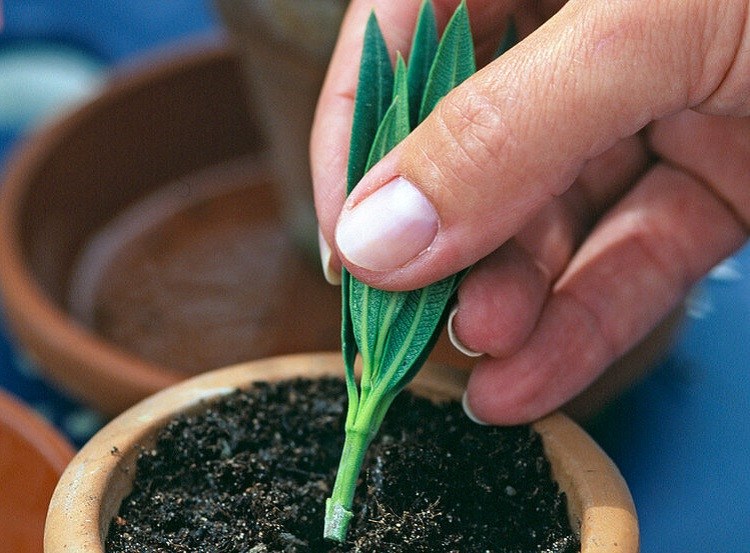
391,305
374,310
348,340
401,88
454,61
388,131
395,124
423,48
363,320
374,92
374,132
415,331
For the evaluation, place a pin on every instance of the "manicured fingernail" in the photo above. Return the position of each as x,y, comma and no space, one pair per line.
469,412
332,276
454,339
387,229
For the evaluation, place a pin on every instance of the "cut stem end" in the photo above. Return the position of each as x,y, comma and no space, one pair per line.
336,521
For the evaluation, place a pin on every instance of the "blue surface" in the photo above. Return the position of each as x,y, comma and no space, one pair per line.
679,437
108,29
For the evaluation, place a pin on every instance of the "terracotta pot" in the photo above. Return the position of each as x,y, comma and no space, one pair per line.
143,240
91,490
32,457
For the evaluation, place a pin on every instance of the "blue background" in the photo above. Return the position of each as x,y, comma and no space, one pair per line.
680,437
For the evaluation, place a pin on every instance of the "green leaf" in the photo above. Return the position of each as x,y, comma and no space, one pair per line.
454,61
374,92
372,99
401,90
374,310
395,124
423,48
414,332
348,341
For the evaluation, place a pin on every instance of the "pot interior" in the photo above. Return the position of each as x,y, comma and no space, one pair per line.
146,130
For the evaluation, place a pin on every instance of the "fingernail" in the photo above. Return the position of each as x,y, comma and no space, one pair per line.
332,276
387,229
469,412
454,339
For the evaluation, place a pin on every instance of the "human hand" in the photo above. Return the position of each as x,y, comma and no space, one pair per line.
593,173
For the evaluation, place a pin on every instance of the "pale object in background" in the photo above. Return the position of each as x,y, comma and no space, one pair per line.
285,46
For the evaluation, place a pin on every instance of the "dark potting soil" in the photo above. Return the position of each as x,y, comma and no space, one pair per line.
251,474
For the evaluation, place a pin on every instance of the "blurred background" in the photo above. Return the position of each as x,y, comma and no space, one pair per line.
680,436
54,55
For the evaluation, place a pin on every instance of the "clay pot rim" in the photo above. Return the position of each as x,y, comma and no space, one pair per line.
53,449
600,503
28,306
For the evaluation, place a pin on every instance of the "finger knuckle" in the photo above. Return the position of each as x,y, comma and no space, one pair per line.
473,131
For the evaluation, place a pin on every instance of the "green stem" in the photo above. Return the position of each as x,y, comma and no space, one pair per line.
361,428
339,505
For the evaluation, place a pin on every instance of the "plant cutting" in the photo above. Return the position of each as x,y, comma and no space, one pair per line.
392,332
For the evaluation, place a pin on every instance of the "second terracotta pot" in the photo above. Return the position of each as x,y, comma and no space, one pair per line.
33,455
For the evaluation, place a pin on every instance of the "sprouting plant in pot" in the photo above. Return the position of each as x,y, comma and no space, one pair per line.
393,332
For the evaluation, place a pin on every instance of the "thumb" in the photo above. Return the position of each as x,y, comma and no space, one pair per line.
505,142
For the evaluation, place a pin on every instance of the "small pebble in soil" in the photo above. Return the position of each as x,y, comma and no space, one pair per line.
250,474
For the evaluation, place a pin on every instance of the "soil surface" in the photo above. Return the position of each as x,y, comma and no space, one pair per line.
251,474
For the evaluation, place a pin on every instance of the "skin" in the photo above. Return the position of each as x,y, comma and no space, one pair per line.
593,173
